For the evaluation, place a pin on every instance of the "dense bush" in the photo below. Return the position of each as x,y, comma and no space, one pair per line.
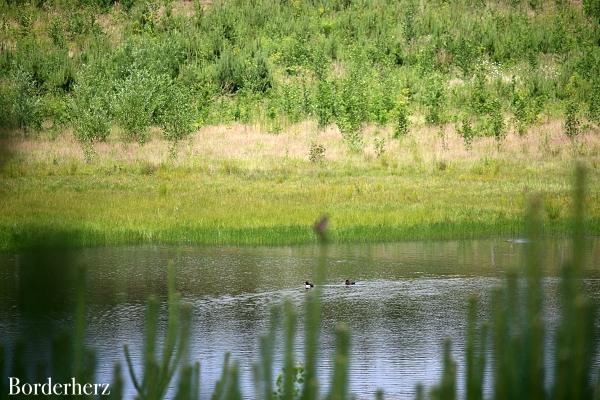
138,99
337,62
178,117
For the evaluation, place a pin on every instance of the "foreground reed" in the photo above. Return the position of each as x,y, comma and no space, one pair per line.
515,339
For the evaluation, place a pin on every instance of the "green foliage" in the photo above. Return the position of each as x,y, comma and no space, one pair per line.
572,121
498,126
297,378
230,72
401,114
91,114
593,113
521,110
26,104
325,102
304,58
56,33
178,117
592,9
379,143
446,390
316,153
480,98
259,77
465,130
465,54
138,99
434,99
475,351
352,108
158,372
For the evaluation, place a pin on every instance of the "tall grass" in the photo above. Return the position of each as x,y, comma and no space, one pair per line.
517,341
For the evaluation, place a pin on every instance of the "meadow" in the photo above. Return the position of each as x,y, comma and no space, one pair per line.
239,185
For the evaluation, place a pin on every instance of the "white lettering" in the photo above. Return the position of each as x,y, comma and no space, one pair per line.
106,389
14,385
86,387
76,387
26,389
48,388
57,389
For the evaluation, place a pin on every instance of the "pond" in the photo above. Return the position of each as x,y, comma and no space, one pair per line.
408,298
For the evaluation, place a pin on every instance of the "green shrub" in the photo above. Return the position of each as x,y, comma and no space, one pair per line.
465,130
138,98
435,100
91,121
91,105
230,72
379,143
351,111
592,9
178,117
480,98
519,108
258,76
325,102
316,153
498,126
572,124
56,33
401,115
465,54
26,102
307,55
593,112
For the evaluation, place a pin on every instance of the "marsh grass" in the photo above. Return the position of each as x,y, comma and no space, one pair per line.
238,185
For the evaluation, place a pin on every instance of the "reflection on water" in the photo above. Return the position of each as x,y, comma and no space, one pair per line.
408,298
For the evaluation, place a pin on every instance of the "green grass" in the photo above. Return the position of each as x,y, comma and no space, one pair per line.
95,204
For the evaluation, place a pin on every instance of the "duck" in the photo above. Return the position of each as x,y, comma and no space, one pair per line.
308,285
349,282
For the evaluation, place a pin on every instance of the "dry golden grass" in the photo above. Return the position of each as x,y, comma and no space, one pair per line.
250,145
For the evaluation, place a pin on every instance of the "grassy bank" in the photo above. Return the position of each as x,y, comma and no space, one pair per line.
238,185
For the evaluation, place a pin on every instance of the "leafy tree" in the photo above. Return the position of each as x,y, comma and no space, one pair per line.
325,102
230,72
179,116
466,132
497,121
435,100
572,122
136,102
352,108
401,114
26,104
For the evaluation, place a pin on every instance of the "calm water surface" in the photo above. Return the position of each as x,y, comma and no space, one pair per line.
408,298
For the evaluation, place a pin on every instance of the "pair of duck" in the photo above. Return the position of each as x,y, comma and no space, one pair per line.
308,285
